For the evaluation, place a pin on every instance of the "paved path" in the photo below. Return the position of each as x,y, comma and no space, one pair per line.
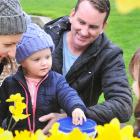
40,20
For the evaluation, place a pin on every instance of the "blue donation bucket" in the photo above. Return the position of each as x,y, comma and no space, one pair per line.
67,126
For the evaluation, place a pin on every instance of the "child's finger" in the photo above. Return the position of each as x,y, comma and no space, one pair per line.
80,120
78,117
74,118
84,118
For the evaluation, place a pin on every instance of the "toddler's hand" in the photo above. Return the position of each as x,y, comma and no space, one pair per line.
78,116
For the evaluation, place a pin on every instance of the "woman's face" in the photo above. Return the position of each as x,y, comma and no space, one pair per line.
8,45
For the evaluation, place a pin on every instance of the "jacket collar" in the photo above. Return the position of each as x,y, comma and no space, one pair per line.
62,24
19,76
58,26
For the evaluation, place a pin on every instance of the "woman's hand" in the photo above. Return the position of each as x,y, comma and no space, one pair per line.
78,116
52,118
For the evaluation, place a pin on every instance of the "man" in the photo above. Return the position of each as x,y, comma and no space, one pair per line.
90,62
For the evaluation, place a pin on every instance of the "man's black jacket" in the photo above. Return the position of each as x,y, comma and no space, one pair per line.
100,69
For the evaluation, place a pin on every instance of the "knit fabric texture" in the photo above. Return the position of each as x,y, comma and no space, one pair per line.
13,20
33,40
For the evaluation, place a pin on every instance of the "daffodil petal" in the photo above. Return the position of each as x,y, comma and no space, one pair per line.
126,6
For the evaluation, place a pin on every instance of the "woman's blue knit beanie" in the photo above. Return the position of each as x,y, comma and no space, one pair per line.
33,40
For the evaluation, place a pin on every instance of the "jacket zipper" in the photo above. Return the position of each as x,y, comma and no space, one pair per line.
32,129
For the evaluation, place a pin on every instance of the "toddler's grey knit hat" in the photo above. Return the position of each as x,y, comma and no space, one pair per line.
12,19
33,40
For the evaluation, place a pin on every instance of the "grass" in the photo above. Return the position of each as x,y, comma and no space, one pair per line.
123,30
50,8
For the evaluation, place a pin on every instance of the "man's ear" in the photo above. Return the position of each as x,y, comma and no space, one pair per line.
72,13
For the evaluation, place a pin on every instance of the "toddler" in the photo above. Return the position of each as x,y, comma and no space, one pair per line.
45,91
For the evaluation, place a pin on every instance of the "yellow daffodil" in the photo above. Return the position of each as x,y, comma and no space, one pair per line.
38,136
109,131
76,133
6,135
135,138
17,109
24,135
56,134
113,130
15,98
1,130
55,128
126,6
18,117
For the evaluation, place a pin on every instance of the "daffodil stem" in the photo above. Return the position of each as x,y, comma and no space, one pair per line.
10,123
13,125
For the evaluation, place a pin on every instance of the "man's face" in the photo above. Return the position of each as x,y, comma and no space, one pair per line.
86,25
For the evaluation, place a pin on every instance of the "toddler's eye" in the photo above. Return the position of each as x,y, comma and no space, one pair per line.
37,59
47,57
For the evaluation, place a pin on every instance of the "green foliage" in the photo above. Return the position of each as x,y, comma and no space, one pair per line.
50,8
123,30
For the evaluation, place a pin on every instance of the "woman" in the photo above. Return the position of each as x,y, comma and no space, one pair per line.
134,69
13,22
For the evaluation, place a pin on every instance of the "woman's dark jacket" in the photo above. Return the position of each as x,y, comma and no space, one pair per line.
100,69
53,93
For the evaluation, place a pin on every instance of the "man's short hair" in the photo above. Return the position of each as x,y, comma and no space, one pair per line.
101,5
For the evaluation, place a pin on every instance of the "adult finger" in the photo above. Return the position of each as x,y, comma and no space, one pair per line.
48,126
46,117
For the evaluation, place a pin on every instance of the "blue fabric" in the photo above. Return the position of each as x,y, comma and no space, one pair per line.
68,57
138,134
53,94
99,69
33,40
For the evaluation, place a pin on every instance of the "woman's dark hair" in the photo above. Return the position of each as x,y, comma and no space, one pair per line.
6,62
101,5
135,63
